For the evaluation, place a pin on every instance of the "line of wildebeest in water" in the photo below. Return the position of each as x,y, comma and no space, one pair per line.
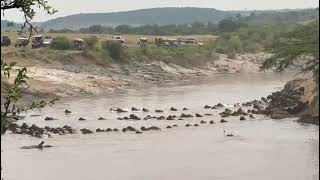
258,107
278,104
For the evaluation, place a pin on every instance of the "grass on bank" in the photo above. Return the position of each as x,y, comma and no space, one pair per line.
131,40
192,56
101,52
244,40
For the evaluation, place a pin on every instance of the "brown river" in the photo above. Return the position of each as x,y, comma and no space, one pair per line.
263,149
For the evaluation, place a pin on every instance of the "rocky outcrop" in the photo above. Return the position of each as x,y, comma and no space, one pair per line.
299,98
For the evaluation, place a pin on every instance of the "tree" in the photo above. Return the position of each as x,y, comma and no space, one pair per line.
14,93
197,25
235,44
15,90
91,41
227,25
239,16
10,24
123,29
299,48
114,48
61,43
27,8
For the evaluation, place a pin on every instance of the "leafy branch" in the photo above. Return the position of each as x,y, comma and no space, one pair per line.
14,93
299,48
27,8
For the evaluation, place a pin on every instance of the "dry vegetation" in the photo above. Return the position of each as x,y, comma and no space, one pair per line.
130,39
184,56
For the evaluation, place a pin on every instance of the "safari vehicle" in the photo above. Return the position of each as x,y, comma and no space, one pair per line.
200,43
21,42
78,44
143,42
5,41
172,42
190,41
167,42
118,38
37,41
162,42
159,41
47,41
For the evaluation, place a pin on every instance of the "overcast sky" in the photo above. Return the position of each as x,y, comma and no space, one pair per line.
68,7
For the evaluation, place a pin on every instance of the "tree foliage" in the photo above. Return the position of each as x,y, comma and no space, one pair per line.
114,48
15,90
250,39
299,48
61,43
14,93
27,8
227,25
149,29
91,42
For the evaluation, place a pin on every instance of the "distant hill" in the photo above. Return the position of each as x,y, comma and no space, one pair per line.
160,16
168,16
280,16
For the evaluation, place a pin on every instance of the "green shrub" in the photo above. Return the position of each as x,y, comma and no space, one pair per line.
61,43
235,43
145,50
250,39
91,42
114,48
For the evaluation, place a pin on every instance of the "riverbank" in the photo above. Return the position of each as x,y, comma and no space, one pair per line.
74,73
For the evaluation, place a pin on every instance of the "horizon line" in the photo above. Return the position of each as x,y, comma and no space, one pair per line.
130,10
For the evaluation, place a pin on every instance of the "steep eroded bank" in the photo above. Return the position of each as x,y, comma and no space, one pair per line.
73,73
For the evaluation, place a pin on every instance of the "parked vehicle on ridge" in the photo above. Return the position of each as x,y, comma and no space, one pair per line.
5,41
47,41
21,42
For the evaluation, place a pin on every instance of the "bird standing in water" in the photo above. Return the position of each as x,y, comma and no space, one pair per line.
228,135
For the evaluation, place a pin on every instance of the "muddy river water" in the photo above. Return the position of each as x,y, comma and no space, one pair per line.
263,149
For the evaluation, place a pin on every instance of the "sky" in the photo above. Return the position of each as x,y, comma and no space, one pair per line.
69,7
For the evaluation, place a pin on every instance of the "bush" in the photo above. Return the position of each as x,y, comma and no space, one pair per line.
91,42
114,48
145,50
235,43
250,39
61,43
227,25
